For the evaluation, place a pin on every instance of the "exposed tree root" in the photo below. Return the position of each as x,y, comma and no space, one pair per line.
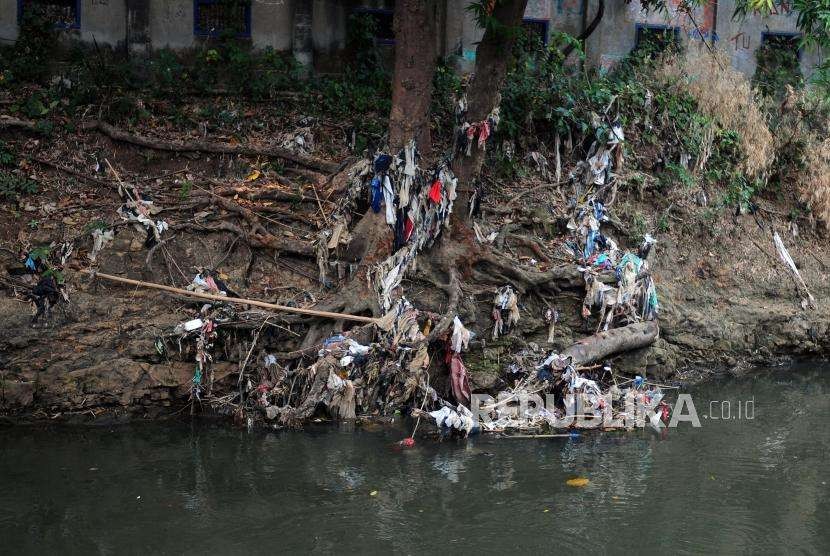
257,235
116,134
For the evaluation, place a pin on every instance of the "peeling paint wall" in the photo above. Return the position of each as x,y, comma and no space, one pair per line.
741,38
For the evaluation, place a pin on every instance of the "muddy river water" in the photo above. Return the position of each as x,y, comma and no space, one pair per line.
754,477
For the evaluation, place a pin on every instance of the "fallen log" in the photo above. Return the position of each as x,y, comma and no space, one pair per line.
599,346
116,134
236,300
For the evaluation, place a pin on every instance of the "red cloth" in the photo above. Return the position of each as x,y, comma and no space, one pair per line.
483,133
408,226
435,192
211,284
471,131
459,379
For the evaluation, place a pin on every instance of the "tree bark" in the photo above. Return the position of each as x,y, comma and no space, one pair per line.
415,35
595,348
415,38
483,93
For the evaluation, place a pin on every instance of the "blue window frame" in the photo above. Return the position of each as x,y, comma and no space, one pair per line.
384,19
67,13
215,17
537,27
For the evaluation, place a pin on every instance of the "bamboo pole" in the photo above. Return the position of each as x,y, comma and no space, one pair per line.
237,300
564,435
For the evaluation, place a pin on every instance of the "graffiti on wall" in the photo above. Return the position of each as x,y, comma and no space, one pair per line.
741,40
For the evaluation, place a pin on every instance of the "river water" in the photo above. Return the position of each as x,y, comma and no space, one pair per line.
758,483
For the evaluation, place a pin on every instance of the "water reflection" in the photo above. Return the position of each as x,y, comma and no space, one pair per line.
750,485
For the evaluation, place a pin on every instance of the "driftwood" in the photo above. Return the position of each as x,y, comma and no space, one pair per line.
211,147
599,346
237,300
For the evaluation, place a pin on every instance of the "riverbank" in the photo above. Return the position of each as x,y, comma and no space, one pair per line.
726,304
272,201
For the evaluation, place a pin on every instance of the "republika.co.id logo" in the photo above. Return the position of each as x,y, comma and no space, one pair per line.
584,411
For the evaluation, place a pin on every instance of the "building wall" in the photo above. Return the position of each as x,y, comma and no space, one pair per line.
272,24
147,24
616,35
462,33
328,26
8,21
171,24
741,38
103,21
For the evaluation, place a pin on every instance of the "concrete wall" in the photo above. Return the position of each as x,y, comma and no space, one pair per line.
462,33
104,21
171,24
328,26
8,21
146,24
741,38
616,36
272,23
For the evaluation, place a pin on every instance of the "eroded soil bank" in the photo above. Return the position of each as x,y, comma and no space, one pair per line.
725,298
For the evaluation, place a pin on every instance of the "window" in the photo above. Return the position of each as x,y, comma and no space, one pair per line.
383,25
212,18
778,64
536,28
654,39
790,42
65,13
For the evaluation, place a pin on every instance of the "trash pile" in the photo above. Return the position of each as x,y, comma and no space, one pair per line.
417,205
138,210
373,369
42,278
558,396
381,368
618,284
505,311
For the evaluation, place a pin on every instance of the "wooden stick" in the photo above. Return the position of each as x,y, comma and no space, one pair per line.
566,435
238,301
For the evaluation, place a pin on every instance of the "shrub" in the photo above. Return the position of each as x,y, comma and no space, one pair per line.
725,95
13,185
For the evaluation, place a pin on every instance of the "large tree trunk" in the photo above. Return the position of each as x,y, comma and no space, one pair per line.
415,35
483,94
415,38
415,53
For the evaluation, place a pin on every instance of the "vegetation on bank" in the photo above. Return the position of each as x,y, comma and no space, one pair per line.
697,132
